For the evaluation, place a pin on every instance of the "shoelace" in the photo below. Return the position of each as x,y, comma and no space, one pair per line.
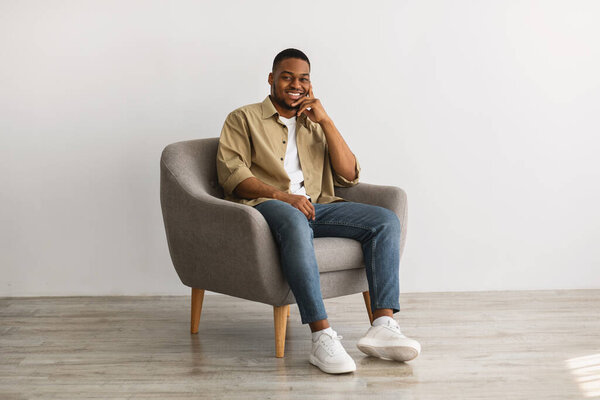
334,343
393,325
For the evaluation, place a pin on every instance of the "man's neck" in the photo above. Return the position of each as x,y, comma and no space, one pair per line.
292,118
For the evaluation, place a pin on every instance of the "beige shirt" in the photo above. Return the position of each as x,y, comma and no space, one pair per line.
253,143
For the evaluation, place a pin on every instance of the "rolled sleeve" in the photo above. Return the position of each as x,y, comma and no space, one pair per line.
340,181
234,153
238,176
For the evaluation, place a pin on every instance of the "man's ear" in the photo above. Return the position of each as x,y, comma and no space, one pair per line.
270,80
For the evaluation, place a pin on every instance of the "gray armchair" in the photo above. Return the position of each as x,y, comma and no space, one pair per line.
228,248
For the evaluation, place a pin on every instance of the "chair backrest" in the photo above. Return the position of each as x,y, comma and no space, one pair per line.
193,162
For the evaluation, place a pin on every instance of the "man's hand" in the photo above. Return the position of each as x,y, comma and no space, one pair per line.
253,188
311,107
300,202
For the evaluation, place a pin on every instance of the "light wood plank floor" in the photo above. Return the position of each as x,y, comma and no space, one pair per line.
484,345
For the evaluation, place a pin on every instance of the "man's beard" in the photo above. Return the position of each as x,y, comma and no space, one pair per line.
281,102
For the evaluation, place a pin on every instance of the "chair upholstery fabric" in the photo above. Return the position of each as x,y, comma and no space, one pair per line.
226,247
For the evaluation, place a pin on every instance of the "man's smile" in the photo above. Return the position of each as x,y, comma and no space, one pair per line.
294,95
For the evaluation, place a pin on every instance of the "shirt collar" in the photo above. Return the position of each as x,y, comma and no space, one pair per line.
268,110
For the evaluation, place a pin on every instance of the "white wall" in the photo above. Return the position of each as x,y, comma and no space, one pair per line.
486,113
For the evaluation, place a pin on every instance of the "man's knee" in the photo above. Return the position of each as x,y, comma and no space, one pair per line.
286,220
295,223
387,220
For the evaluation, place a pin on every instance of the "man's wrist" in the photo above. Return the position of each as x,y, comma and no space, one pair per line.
279,195
327,123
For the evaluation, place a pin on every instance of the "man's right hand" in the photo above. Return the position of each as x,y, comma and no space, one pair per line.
301,203
252,188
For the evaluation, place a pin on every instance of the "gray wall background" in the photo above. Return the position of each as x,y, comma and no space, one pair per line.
486,113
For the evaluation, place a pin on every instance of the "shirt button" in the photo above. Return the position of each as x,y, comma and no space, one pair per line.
284,141
281,158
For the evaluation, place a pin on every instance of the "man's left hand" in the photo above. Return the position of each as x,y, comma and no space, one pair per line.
312,107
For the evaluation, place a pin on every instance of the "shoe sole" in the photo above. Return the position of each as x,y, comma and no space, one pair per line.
395,353
331,369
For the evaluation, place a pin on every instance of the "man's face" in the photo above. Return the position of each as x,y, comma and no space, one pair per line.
289,82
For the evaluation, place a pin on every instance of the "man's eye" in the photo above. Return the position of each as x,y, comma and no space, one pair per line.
287,78
304,80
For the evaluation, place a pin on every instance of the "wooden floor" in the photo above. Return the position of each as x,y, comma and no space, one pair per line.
485,345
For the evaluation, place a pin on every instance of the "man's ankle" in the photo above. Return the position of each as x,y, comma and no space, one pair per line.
383,312
318,325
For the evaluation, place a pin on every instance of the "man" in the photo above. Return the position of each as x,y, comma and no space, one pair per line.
283,156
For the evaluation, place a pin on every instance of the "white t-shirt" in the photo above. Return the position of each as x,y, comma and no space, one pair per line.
291,162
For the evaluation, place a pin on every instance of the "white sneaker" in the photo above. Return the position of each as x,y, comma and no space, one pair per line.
387,342
329,355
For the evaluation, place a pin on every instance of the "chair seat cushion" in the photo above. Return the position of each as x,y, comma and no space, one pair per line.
338,254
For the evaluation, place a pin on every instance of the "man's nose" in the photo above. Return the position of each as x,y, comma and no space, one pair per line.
296,83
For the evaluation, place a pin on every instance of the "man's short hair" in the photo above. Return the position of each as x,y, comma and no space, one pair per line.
289,53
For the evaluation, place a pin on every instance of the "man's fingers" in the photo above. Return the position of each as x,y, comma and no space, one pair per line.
310,92
307,209
311,208
303,210
301,101
304,206
308,212
306,105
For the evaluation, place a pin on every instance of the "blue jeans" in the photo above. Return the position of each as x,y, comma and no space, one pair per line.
376,228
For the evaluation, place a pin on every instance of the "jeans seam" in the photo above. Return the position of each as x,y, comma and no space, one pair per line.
289,288
375,290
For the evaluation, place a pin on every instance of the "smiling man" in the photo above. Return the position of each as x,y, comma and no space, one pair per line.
284,156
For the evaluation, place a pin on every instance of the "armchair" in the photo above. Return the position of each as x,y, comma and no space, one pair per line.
228,248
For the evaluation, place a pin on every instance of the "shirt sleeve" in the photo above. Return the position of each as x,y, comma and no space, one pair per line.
340,181
234,153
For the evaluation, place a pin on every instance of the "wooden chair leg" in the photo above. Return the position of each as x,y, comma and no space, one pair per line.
367,298
197,298
280,316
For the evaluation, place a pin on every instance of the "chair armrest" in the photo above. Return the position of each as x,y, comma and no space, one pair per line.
391,197
219,245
